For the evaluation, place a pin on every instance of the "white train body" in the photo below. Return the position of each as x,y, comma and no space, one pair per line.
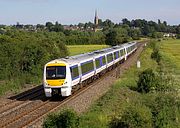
61,75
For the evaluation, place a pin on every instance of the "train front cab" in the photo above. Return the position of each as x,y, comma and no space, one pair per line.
57,79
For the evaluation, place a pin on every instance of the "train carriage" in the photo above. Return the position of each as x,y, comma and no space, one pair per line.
61,75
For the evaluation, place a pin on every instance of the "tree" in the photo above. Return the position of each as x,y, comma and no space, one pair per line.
108,23
58,27
49,25
40,26
126,21
116,36
81,25
135,34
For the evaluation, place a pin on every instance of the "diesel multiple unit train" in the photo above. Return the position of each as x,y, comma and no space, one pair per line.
62,75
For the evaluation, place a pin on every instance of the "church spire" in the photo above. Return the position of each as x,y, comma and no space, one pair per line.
96,18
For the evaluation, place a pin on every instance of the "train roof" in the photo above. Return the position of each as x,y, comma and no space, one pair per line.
85,56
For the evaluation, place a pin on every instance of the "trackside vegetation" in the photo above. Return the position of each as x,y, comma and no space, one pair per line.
23,55
144,97
64,119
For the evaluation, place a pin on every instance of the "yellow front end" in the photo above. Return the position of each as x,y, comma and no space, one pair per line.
55,74
55,82
56,79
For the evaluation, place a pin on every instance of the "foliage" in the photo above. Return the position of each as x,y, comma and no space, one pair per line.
147,81
156,54
164,108
135,34
134,116
116,36
178,36
23,55
157,35
64,119
79,38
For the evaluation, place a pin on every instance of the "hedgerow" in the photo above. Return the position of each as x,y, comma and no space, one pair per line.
63,119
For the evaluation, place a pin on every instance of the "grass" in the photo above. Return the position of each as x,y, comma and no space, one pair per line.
123,92
79,49
119,96
170,51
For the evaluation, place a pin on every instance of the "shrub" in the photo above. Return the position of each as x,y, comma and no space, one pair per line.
167,81
147,81
64,119
178,36
165,109
156,54
135,116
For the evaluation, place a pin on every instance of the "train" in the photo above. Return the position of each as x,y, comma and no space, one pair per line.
64,75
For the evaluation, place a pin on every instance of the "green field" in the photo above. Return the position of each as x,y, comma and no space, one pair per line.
78,49
171,53
122,94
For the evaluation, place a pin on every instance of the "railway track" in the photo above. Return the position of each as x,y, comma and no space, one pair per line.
23,96
19,100
30,112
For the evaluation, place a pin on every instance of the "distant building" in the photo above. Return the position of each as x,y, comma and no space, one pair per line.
87,26
72,27
96,23
96,19
169,35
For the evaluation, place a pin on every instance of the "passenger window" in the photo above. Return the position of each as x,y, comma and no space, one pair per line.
87,67
109,58
104,60
98,64
74,72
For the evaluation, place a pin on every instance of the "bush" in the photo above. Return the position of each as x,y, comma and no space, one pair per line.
135,116
64,119
165,109
147,81
156,54
178,36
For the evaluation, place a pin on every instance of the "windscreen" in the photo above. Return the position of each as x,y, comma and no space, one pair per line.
55,72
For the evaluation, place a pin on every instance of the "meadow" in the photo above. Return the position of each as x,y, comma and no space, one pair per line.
170,50
79,49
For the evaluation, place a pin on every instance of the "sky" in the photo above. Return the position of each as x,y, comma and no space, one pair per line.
76,11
